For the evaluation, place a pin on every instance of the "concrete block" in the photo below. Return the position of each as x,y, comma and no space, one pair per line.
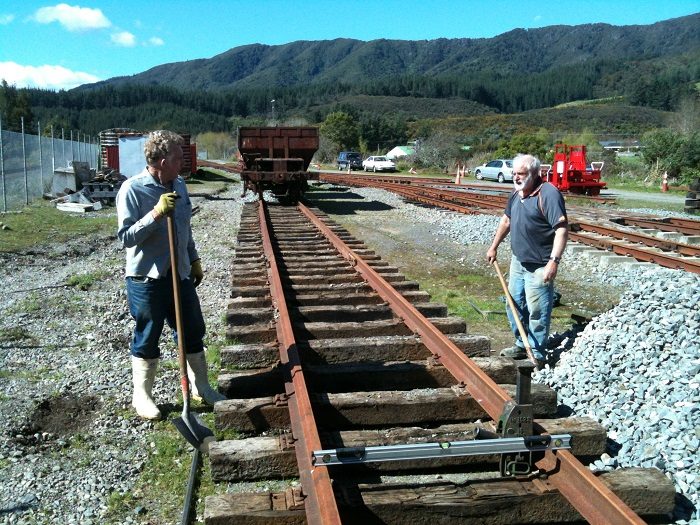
612,260
691,239
669,236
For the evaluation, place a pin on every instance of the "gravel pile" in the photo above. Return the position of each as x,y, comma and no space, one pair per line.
65,351
641,380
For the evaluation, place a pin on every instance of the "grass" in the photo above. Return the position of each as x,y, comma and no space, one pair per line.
85,281
41,223
158,495
15,334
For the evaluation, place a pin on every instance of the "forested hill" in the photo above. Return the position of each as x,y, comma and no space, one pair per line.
353,61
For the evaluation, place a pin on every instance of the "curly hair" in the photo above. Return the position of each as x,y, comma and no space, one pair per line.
159,144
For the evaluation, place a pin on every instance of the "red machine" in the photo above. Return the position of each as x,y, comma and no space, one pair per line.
570,172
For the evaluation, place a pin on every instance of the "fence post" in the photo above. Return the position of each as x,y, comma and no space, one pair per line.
2,170
53,154
24,163
63,143
41,156
72,153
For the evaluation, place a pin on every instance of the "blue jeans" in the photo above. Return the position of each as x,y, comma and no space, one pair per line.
533,298
151,303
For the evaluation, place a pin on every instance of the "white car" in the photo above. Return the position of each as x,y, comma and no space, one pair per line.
500,170
377,163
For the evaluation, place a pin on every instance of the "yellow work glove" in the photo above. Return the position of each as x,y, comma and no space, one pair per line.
196,273
166,204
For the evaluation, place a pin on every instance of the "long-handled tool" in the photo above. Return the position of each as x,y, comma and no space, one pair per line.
516,315
189,425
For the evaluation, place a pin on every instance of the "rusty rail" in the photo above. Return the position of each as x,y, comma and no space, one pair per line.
591,498
320,504
639,253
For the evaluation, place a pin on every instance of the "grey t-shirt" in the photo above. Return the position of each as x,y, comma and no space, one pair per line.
533,221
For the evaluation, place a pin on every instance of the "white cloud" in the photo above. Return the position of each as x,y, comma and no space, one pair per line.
538,18
124,38
73,18
48,77
156,41
6,19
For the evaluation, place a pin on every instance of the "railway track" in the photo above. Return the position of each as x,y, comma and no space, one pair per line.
336,353
666,242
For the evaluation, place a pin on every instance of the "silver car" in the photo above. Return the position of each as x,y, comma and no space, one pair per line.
500,170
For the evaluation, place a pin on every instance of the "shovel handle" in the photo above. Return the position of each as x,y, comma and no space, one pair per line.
514,310
182,361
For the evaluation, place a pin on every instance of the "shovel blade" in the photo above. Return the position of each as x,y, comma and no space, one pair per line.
194,431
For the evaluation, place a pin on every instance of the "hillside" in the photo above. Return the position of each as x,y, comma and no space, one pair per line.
352,61
493,86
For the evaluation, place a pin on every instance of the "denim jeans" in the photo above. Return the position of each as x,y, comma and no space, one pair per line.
151,303
533,298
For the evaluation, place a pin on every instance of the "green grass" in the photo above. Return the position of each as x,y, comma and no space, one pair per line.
160,490
41,223
85,281
15,334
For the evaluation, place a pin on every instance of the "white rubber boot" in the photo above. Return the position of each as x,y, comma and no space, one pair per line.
144,374
199,382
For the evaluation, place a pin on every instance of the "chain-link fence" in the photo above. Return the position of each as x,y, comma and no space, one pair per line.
28,163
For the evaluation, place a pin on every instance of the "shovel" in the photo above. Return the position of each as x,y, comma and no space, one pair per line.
189,425
511,304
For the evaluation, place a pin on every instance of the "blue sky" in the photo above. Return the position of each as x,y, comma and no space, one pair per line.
61,45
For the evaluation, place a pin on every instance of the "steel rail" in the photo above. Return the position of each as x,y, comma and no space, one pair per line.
320,504
640,254
685,226
647,240
588,494
424,195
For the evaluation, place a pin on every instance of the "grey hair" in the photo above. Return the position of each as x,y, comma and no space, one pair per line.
529,162
159,144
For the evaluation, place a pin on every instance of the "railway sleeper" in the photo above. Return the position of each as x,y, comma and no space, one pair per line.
483,500
266,332
273,457
349,350
347,410
359,377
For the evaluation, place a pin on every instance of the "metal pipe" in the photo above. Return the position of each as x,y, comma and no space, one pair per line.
187,509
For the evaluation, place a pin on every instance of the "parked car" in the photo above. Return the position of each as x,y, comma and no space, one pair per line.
352,158
377,163
500,170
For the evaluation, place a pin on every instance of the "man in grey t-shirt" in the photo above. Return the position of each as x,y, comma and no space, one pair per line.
535,216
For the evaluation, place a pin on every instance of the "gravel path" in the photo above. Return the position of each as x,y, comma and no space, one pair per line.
65,350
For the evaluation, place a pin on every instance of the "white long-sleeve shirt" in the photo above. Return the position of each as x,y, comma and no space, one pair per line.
145,238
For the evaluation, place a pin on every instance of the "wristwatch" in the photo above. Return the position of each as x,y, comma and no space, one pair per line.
555,259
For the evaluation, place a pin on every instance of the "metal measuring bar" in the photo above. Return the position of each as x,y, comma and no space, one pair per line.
352,455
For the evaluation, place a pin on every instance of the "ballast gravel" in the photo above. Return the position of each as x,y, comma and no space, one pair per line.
640,375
